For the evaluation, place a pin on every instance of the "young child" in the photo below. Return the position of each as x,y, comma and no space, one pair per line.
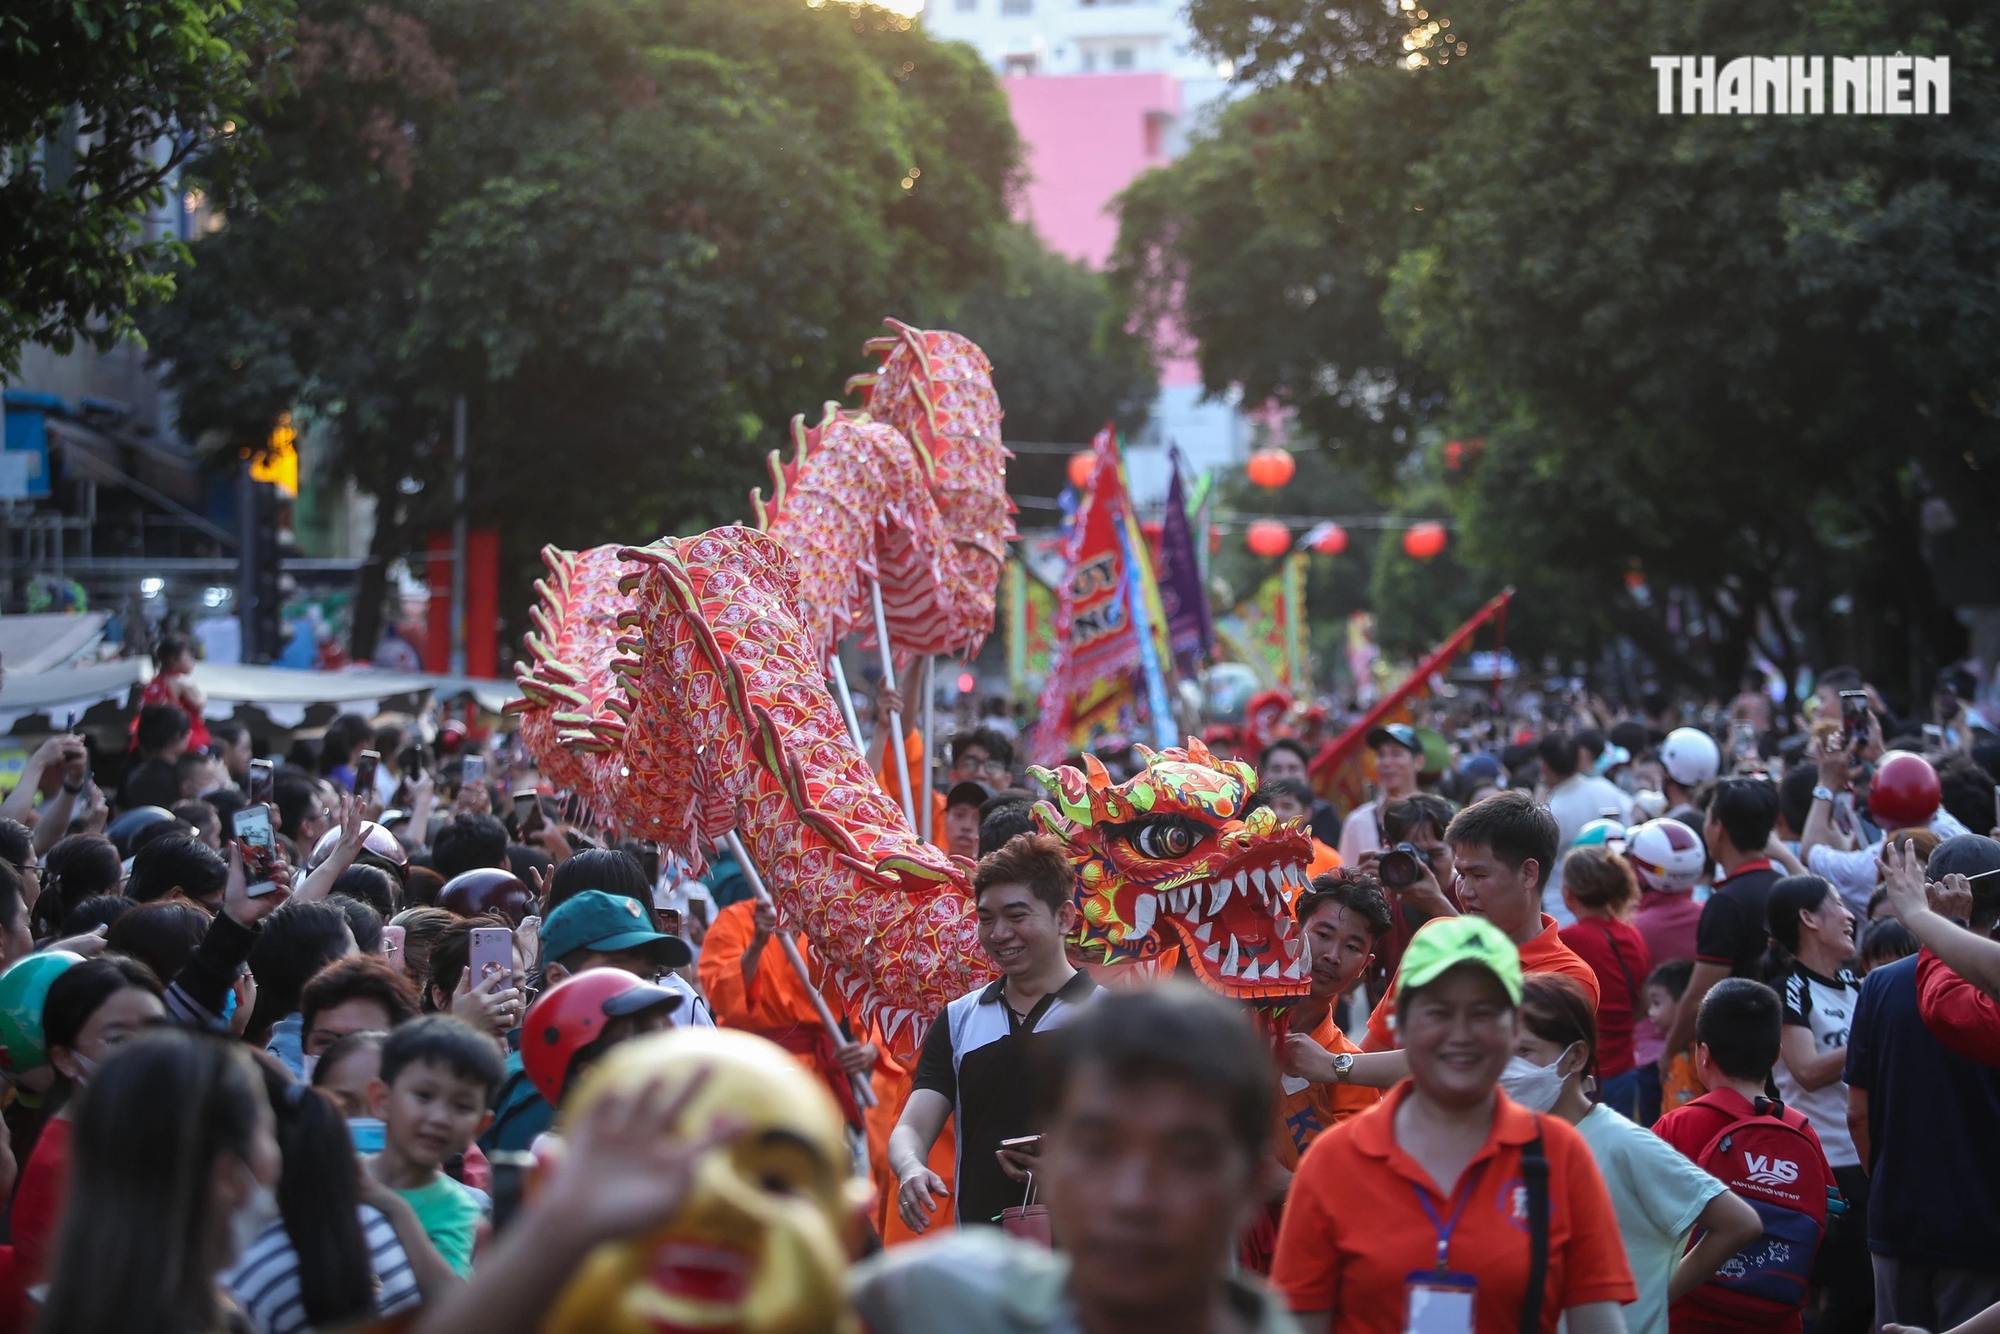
1777,1156
437,1076
1664,987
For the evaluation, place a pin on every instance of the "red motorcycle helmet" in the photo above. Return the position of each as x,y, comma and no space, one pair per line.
571,1015
1904,792
488,889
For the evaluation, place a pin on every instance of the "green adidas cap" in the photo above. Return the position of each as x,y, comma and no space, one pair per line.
1446,942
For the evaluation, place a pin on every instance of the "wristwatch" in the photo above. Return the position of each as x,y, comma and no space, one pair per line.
1342,1065
1821,792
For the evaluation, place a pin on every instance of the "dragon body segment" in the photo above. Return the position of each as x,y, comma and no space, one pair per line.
567,676
680,687
727,676
936,388
855,505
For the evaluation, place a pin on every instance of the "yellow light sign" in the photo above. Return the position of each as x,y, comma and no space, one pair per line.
280,461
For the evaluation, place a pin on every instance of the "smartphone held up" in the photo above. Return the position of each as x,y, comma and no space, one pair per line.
260,848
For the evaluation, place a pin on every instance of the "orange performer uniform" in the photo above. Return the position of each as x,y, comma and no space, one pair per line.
776,1004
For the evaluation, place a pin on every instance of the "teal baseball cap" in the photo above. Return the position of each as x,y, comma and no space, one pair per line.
608,924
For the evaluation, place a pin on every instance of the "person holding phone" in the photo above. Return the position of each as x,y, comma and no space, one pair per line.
977,1067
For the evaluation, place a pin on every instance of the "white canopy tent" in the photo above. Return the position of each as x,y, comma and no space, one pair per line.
283,695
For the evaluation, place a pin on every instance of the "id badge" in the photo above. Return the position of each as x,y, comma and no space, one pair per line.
1439,1303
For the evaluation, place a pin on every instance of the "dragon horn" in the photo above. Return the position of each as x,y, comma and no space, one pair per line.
1095,773
1146,754
1199,753
1072,799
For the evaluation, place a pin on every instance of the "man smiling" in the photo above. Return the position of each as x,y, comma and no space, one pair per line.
1502,849
976,1061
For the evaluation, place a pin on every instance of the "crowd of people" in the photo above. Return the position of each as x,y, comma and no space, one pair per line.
1650,1023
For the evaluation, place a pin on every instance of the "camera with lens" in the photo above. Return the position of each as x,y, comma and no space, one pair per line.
1402,866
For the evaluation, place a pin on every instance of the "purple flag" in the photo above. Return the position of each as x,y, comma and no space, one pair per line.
1189,629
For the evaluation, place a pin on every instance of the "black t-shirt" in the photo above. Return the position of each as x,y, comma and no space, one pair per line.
1733,930
150,784
1933,1117
979,1054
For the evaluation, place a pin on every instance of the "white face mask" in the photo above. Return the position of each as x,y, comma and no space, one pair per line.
252,1217
1535,1087
307,1064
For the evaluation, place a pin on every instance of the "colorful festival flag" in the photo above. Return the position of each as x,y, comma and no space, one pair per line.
1098,687
1190,631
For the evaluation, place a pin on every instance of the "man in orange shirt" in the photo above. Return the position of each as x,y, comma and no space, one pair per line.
1502,850
751,985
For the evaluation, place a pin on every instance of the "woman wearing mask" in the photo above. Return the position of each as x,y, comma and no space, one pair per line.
1812,932
1394,1209
174,1163
1658,1195
92,1009
343,1249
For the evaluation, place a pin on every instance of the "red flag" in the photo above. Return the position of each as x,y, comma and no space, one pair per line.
1334,770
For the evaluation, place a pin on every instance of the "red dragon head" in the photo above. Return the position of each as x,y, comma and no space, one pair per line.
1168,858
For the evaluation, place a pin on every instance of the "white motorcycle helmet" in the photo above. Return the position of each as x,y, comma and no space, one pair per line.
1690,756
1666,855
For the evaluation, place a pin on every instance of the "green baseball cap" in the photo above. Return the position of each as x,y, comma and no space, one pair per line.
1446,942
608,924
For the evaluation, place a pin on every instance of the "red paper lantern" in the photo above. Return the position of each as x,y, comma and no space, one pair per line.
1424,540
1082,467
1152,530
1271,468
1268,537
1331,542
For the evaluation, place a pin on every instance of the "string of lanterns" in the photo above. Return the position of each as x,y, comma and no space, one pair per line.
1271,538
1272,469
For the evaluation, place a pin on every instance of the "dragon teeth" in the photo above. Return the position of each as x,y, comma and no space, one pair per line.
1229,964
1203,931
1213,953
1243,881
1219,892
1250,974
1143,914
1293,972
1262,879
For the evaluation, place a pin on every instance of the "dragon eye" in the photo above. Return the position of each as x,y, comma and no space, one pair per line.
1163,842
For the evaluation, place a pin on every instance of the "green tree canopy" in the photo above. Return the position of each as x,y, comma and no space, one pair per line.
638,237
104,101
1729,355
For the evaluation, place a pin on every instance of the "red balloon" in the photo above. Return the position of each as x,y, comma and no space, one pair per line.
1331,542
1271,468
1082,467
1268,537
1424,540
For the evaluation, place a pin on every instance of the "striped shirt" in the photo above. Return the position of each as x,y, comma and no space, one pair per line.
265,1281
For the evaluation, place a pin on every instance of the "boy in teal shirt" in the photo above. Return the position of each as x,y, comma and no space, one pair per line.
436,1078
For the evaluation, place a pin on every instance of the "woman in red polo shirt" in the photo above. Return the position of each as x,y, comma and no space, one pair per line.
1414,1216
